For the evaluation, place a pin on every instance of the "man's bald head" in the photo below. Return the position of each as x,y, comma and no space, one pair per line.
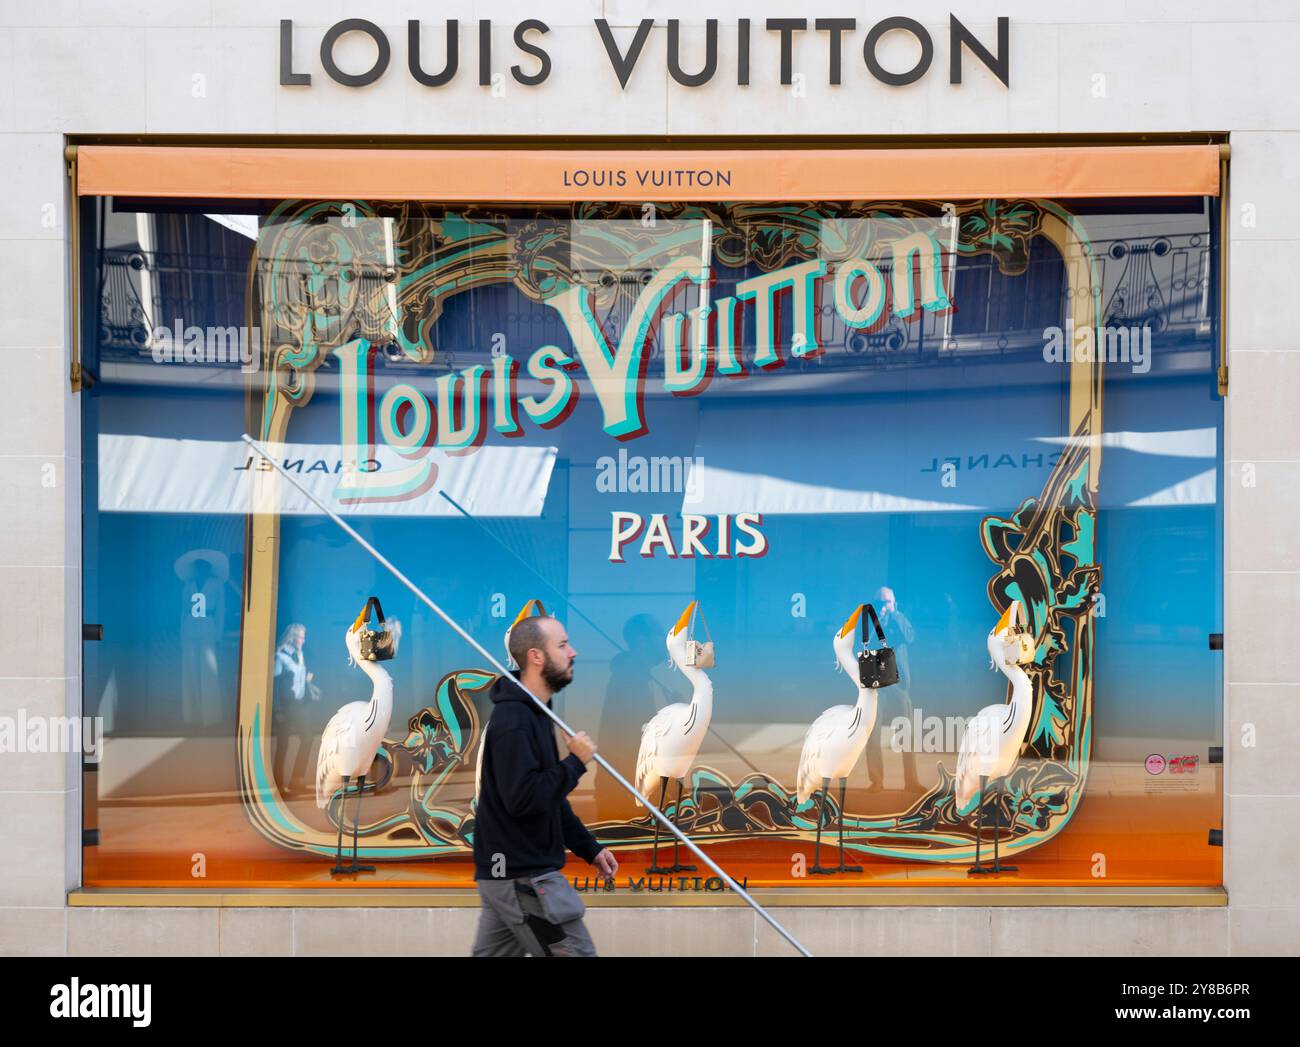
529,633
553,662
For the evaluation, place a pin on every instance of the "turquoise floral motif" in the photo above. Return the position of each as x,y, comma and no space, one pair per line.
1002,228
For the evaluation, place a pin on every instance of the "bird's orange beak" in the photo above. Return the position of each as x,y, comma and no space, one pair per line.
851,622
1008,617
685,619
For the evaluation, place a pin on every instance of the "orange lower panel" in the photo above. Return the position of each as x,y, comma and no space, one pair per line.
1136,854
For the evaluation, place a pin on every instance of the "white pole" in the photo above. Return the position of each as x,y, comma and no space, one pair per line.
776,926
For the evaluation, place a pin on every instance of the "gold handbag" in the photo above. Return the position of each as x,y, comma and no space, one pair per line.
1026,645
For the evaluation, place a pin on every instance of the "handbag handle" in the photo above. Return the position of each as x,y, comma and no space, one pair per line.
870,612
529,607
700,615
364,617
1014,612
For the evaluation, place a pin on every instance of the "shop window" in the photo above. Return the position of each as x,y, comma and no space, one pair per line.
1018,408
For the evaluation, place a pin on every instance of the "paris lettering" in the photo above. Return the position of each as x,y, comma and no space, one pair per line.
697,346
707,537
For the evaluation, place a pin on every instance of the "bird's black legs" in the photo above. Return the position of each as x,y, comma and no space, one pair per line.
339,867
678,867
821,812
997,826
654,859
821,816
983,870
843,867
977,869
356,826
343,806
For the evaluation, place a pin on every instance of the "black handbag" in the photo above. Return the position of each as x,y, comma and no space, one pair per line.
376,644
878,668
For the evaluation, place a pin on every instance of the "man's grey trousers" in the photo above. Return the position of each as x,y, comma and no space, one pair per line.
511,923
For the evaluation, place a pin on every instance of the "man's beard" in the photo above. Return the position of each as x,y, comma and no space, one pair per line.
557,677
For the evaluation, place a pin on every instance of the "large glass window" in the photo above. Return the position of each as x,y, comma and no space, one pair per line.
732,422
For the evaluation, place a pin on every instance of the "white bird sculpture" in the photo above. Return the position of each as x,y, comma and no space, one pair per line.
835,741
991,744
672,737
352,738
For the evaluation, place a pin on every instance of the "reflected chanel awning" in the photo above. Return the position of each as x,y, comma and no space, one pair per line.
459,175
153,474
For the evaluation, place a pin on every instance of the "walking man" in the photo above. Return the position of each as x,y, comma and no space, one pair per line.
523,821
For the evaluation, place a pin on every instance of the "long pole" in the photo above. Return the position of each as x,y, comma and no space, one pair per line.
419,595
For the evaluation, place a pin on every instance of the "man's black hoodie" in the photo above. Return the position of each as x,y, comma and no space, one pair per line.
523,814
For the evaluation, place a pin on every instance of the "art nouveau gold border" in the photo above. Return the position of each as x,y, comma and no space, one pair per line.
933,835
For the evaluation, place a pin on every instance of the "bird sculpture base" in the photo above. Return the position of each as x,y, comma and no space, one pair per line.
823,870
991,870
346,870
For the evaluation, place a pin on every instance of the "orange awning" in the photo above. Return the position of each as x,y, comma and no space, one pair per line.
458,175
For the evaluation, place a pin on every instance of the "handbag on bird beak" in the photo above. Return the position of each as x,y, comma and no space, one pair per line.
700,655
878,668
1025,644
376,645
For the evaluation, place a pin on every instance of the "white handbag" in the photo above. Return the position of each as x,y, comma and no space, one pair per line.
700,655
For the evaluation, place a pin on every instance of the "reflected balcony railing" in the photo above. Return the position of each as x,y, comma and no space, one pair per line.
1164,283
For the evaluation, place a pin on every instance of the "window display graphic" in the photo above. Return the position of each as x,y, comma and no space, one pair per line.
769,412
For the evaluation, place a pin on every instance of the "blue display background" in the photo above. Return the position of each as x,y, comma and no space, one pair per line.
871,428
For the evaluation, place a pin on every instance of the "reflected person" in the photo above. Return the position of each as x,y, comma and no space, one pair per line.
630,693
294,695
203,572
898,635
